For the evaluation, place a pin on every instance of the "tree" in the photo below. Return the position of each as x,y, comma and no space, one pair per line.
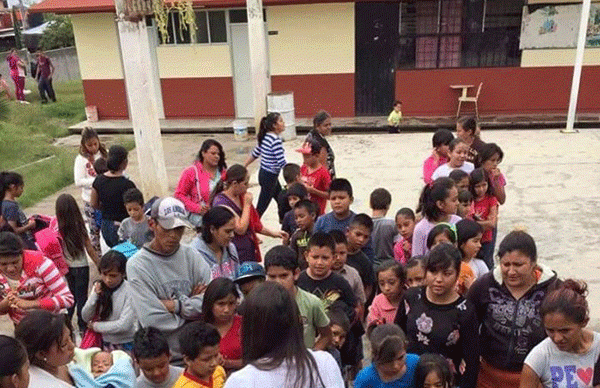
58,34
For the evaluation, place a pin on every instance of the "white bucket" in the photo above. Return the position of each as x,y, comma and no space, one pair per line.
240,130
91,113
283,103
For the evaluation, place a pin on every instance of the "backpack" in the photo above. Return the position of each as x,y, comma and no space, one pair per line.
50,242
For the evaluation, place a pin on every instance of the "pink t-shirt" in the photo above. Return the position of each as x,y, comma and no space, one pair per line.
422,229
399,254
381,311
430,165
482,210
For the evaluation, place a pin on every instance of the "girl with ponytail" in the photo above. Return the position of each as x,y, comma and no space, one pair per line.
11,188
438,203
272,159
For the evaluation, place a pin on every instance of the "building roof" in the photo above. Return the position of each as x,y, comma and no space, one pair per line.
89,6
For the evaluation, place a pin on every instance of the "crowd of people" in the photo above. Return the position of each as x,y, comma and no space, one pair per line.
42,71
423,288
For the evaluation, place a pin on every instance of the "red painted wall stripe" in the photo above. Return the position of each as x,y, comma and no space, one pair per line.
198,97
331,92
108,95
510,90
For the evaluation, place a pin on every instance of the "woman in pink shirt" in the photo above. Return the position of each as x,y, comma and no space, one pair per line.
441,140
17,73
199,180
29,281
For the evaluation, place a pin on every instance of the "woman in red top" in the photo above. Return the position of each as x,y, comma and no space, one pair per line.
199,180
232,192
17,73
219,309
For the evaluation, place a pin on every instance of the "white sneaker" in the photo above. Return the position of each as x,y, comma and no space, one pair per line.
24,102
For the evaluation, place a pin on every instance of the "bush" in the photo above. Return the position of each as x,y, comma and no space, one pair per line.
58,34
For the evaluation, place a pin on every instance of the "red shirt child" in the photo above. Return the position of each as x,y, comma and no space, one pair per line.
483,207
314,175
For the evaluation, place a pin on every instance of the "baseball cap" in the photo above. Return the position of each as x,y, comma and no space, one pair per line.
170,213
249,270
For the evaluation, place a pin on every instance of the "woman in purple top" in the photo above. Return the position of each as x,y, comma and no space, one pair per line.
438,203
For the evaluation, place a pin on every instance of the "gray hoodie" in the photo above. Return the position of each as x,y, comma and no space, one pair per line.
226,267
154,277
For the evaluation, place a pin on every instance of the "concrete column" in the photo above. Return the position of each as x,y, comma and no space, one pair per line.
140,88
585,16
258,59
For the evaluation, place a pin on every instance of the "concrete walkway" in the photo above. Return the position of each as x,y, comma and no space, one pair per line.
350,124
552,189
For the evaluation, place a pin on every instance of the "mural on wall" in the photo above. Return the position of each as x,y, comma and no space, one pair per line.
556,26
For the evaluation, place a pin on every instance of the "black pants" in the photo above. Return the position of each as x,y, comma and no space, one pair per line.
45,86
109,232
78,279
269,188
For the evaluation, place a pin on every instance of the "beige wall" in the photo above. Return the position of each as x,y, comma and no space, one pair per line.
194,61
558,57
97,45
311,39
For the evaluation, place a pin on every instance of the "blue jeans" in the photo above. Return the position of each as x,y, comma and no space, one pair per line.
269,189
487,254
78,279
109,232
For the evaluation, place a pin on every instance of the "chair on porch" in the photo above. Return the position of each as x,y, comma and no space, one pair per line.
464,98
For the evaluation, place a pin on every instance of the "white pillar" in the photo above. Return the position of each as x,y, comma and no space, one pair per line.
139,84
585,16
258,59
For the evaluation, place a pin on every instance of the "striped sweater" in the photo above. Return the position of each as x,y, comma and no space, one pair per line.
41,281
272,155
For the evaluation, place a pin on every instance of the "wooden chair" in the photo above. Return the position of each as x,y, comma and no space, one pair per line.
474,99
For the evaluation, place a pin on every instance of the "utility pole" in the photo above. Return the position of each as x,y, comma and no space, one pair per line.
258,59
583,23
25,25
137,65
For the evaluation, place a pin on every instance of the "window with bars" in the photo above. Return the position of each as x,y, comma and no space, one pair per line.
212,28
459,33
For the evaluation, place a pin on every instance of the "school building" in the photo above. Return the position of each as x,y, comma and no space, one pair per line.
350,58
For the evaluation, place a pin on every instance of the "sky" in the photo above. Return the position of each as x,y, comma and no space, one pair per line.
25,2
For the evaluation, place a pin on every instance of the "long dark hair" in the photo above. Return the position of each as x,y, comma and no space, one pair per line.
433,363
110,260
266,124
271,305
206,146
12,356
8,178
39,330
89,133
215,217
219,288
437,191
71,225
477,176
235,173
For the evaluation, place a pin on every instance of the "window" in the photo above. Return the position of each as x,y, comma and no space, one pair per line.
212,28
459,33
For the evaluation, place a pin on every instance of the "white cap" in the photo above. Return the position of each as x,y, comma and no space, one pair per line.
170,213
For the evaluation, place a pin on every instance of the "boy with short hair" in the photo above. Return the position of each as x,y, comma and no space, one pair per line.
465,207
135,228
340,197
291,174
395,117
461,178
305,213
296,192
152,355
199,343
440,154
281,265
314,175
358,234
249,275
349,273
384,229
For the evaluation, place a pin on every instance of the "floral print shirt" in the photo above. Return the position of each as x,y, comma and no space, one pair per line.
450,330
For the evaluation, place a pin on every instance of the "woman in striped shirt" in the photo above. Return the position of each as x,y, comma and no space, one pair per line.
29,281
272,159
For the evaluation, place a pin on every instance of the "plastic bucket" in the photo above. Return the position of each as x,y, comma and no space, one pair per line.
240,131
91,113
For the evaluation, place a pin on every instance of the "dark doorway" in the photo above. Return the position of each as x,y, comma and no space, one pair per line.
376,46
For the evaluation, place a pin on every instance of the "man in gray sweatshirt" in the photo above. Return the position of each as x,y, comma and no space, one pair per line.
167,280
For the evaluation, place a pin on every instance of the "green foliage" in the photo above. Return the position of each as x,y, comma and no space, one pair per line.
58,34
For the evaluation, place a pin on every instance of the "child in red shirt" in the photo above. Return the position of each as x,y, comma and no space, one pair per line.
314,175
485,213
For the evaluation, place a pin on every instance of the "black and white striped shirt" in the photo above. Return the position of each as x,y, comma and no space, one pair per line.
272,155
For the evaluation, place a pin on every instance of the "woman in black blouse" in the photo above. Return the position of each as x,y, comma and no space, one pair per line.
436,319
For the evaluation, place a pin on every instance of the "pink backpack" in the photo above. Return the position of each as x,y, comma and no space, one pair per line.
49,241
